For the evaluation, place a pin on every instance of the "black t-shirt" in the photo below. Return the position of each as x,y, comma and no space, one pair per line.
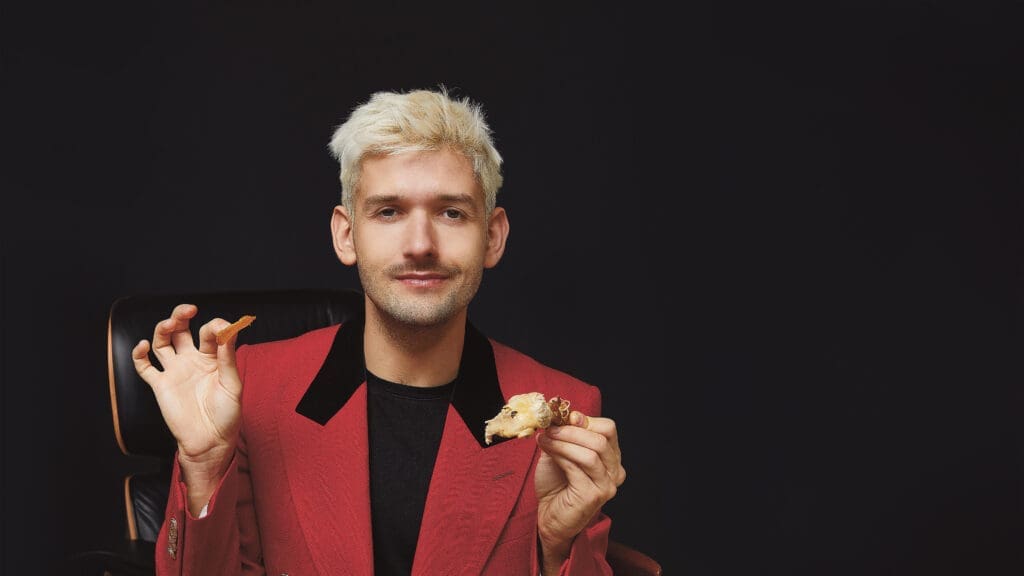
405,423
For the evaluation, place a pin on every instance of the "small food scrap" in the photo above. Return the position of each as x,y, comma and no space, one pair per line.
230,330
524,414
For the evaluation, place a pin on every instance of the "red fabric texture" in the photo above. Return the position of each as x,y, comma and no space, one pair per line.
296,498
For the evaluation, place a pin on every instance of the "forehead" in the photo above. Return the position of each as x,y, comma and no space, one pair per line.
418,173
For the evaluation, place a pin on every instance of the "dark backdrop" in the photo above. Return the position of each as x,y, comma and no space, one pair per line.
785,242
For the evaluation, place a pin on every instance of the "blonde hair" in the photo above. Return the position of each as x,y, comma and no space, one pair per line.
392,123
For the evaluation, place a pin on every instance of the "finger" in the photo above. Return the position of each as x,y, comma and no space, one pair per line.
577,418
593,493
603,426
576,475
179,322
145,368
208,337
600,435
585,458
225,353
166,329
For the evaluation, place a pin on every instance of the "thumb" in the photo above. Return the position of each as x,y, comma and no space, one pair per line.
226,354
227,368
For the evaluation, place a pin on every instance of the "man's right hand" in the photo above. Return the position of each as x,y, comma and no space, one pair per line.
199,393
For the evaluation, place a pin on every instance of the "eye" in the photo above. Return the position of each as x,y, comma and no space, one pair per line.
512,414
453,214
387,212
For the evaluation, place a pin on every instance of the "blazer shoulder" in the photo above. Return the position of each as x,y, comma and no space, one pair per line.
280,360
319,339
520,373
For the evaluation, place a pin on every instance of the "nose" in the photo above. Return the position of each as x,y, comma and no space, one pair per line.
420,237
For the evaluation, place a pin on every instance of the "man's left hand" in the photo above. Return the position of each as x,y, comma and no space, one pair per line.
580,470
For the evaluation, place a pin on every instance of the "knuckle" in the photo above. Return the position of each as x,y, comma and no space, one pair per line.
611,492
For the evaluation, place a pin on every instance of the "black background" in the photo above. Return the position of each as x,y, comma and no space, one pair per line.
785,242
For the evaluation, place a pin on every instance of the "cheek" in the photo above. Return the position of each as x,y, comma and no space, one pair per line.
370,245
471,259
477,244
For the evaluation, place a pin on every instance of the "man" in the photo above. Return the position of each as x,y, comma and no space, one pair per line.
359,448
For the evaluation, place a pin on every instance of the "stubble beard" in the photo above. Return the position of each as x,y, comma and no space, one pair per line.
402,312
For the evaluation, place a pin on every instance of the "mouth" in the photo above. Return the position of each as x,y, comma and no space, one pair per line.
421,279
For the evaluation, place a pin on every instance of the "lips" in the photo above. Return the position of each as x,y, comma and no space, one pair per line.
422,276
421,279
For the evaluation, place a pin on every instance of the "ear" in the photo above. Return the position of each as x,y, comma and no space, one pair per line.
497,235
341,231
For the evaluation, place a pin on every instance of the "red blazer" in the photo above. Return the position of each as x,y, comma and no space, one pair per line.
296,500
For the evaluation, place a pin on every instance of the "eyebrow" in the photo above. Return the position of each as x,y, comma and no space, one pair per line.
382,199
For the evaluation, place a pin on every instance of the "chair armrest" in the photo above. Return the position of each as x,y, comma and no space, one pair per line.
130,558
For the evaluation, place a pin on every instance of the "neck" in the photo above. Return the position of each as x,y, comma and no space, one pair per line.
423,356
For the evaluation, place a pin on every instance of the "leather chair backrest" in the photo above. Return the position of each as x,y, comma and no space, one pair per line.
280,314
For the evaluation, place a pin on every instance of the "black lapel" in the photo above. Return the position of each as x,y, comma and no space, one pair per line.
342,373
477,396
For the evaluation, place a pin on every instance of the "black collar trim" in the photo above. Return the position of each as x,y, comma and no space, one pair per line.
342,373
477,396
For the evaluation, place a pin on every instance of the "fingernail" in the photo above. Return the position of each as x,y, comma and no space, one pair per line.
576,418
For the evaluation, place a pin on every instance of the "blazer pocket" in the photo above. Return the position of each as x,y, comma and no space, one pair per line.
519,526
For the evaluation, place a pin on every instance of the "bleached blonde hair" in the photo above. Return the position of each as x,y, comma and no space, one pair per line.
394,122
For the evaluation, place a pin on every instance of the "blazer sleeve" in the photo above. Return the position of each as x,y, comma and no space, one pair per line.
226,541
587,555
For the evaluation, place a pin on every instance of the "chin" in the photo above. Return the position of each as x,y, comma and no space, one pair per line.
421,311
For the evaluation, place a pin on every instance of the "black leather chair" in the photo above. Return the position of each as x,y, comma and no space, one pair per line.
140,429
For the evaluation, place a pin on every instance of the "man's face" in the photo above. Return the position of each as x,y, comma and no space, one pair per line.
420,235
